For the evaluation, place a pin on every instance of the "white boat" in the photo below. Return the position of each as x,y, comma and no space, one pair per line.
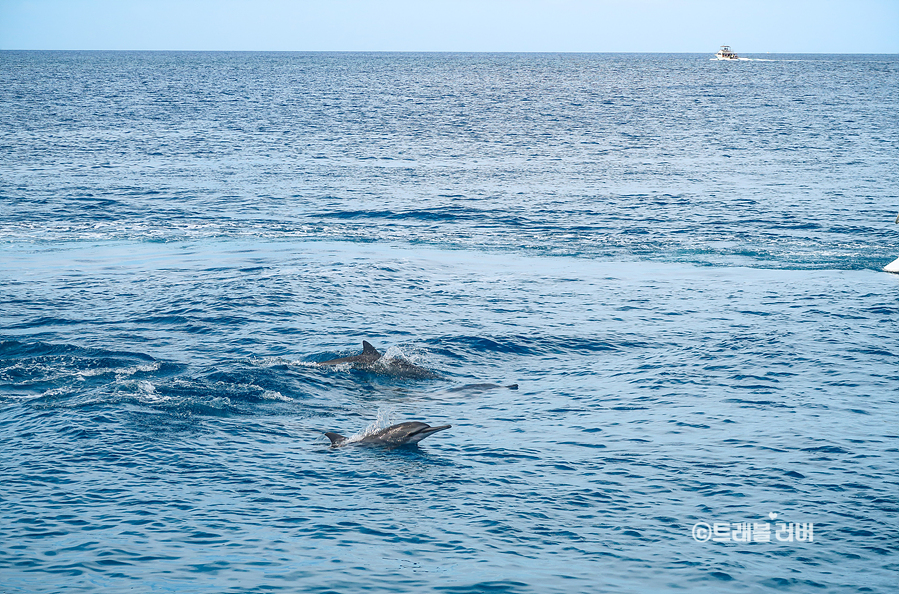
894,265
725,53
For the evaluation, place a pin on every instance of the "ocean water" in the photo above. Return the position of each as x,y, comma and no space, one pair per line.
678,260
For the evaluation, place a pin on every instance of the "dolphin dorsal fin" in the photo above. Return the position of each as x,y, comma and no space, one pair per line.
336,438
367,349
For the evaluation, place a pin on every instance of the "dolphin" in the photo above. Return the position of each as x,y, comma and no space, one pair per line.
408,433
392,366
481,387
369,355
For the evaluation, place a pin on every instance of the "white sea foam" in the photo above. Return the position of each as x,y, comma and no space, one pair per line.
120,372
273,395
382,421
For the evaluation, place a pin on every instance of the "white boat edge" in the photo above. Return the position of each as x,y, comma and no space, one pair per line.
892,266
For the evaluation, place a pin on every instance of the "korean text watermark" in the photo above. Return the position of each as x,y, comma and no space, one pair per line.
745,532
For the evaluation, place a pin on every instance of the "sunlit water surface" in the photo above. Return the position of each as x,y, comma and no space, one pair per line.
677,260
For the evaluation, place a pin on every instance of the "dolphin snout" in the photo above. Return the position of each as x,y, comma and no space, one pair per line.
427,430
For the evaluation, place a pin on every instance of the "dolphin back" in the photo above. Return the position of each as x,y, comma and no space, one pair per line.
369,355
336,438
397,367
370,351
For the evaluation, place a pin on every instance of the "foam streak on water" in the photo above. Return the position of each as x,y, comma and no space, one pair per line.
677,260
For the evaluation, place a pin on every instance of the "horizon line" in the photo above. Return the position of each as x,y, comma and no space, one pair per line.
360,51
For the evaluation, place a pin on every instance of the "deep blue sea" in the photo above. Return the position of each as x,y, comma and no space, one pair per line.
678,260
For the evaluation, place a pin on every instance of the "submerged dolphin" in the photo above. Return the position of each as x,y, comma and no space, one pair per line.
407,433
481,387
392,366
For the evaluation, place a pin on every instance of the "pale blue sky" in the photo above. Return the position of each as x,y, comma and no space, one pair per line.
749,26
